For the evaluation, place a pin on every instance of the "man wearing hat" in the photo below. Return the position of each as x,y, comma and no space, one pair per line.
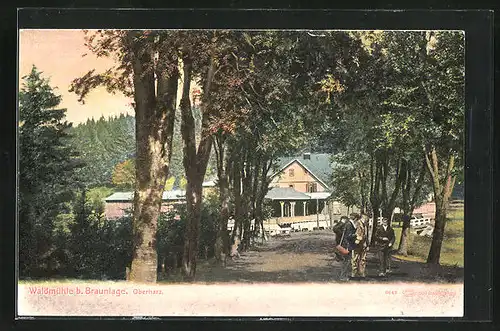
346,240
338,229
384,239
361,247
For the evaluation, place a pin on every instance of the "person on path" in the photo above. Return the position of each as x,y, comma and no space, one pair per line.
347,240
361,247
384,239
338,229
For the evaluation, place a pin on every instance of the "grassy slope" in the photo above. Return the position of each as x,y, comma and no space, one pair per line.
452,252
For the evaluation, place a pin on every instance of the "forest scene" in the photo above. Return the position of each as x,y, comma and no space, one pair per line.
227,107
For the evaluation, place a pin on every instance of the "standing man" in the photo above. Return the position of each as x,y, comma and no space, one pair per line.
347,239
338,229
384,239
361,247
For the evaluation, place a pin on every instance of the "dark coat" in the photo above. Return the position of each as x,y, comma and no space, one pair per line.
349,236
381,233
338,229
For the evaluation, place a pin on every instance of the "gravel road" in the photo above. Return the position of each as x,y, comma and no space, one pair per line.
293,276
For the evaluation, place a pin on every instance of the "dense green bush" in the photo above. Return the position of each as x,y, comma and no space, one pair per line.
170,239
99,248
208,227
170,234
87,246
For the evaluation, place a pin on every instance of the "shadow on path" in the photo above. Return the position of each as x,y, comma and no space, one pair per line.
308,257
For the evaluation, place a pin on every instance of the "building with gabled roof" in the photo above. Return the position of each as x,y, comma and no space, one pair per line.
305,173
300,189
120,204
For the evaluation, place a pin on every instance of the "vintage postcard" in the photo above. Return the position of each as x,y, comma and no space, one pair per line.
263,173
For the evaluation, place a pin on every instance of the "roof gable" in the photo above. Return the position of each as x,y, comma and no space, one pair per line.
318,165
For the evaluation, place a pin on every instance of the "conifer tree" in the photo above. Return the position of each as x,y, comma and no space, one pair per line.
46,169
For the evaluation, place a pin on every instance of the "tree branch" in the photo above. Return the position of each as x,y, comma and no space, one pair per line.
418,186
432,171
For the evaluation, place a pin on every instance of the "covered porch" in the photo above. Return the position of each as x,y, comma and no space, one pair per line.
293,205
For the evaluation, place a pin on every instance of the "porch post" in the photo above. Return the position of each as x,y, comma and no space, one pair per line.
304,204
282,203
317,213
292,208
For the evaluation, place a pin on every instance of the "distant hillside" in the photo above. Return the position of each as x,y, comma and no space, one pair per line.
104,143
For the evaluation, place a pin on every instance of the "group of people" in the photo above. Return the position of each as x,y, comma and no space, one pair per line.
352,234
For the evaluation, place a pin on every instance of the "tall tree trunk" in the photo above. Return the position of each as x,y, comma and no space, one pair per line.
409,203
405,191
222,239
255,186
263,188
362,191
246,200
405,232
154,130
375,170
384,169
236,188
192,234
195,164
437,236
442,193
263,235
390,202
238,214
257,175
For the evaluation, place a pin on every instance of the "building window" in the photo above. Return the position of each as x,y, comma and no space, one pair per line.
291,185
312,187
291,172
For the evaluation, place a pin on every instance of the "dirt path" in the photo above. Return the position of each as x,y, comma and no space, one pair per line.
295,259
308,257
293,276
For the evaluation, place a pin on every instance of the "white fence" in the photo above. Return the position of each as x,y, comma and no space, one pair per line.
275,229
230,224
311,225
420,222
283,228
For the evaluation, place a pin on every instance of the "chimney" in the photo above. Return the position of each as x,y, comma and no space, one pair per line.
307,156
